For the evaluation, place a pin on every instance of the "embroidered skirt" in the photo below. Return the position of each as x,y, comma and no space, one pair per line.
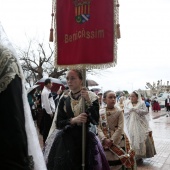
150,147
117,155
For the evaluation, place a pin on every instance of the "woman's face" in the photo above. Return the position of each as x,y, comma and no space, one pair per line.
110,99
133,98
73,81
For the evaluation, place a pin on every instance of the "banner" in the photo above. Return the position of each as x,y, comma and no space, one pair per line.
84,33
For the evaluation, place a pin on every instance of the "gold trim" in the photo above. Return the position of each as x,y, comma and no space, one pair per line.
87,66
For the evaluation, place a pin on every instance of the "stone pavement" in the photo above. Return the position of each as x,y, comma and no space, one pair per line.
160,125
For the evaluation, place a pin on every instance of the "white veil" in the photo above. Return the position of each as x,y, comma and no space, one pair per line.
32,137
148,117
136,127
139,95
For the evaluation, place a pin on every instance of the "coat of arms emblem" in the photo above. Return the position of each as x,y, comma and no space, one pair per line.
82,10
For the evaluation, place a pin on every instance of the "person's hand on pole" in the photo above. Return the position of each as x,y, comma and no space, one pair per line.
85,94
82,118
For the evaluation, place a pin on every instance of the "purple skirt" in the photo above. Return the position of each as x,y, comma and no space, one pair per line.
64,151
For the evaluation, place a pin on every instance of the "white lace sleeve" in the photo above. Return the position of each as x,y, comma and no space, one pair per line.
143,109
126,110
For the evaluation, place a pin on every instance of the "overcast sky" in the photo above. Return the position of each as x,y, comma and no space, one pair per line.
143,50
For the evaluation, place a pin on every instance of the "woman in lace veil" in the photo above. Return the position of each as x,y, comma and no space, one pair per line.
137,127
20,149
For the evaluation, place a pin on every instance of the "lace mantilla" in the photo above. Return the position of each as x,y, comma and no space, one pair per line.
8,67
76,105
137,127
48,145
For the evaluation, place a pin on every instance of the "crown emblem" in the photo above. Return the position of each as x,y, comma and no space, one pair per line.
82,10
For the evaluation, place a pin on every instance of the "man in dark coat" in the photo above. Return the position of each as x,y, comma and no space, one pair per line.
167,104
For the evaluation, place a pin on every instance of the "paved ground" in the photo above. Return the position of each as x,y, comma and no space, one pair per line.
160,125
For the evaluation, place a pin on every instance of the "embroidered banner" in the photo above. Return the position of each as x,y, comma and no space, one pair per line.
84,33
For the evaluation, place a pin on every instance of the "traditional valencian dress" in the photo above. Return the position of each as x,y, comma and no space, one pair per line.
111,126
137,124
66,148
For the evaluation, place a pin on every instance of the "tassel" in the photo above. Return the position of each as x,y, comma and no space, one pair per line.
118,31
51,30
117,23
51,35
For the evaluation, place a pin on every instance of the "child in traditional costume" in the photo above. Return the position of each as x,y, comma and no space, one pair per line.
111,133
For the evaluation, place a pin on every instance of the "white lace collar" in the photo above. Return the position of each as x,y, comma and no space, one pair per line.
8,67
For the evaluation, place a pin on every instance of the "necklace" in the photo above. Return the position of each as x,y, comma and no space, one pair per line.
111,108
75,93
76,105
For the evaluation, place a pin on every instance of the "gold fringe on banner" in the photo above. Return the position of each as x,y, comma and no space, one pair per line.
90,66
118,31
118,35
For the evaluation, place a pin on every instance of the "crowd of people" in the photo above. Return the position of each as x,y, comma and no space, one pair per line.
120,137
117,133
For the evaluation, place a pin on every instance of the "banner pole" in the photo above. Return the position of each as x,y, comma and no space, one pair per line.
83,126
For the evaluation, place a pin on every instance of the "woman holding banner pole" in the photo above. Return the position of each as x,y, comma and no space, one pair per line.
66,150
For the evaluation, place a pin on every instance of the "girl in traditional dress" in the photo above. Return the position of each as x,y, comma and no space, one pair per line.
66,150
110,130
137,124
